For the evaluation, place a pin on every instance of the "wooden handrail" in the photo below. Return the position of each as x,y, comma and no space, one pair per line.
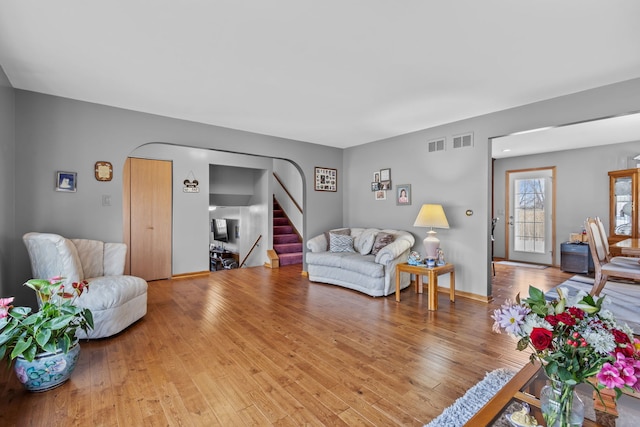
287,191
250,250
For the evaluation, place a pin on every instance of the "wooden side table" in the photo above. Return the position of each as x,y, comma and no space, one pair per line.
433,274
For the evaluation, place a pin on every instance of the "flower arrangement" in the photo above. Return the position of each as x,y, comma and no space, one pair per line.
574,338
25,333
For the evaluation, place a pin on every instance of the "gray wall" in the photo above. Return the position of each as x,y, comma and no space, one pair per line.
582,186
8,239
461,179
55,133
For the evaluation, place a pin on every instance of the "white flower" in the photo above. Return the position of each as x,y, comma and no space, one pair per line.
534,321
601,340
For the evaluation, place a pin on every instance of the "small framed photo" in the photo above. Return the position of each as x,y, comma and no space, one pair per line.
66,181
375,186
385,174
381,195
376,176
385,185
403,194
326,179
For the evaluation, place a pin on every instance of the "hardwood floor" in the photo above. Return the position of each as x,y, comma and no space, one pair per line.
259,346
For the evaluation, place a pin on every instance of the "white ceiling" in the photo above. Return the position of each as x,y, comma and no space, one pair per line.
612,130
332,72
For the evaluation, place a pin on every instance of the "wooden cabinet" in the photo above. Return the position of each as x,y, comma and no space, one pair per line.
623,205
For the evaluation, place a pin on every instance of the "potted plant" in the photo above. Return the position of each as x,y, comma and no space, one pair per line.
43,343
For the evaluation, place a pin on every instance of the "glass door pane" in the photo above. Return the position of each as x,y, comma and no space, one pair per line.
529,218
623,204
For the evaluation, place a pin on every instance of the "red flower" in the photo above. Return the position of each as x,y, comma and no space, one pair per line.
553,321
576,312
620,337
566,318
541,338
626,350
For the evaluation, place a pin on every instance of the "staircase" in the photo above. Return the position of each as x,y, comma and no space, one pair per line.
286,243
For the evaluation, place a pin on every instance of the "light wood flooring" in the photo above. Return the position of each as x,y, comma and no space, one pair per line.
256,346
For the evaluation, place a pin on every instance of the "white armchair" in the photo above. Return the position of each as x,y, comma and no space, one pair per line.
115,300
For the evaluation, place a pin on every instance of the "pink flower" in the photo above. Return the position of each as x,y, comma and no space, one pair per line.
609,376
5,305
626,369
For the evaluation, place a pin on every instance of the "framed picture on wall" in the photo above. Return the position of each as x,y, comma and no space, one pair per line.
385,174
403,194
326,179
66,181
381,195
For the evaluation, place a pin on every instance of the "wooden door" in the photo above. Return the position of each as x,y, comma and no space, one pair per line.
148,222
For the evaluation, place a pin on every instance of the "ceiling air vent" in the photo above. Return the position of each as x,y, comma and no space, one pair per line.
464,140
436,145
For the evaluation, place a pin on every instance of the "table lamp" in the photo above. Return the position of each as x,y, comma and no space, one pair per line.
431,216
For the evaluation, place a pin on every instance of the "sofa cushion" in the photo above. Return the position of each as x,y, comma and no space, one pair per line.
363,264
348,261
106,292
340,243
382,240
363,243
91,253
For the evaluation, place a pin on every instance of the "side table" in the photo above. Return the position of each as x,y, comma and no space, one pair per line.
433,274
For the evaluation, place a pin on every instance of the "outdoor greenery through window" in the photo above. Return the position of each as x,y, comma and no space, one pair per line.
529,227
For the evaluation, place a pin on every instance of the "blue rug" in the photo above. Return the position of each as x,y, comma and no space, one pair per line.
473,400
623,299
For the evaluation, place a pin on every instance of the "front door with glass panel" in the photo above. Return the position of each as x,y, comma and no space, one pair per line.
530,223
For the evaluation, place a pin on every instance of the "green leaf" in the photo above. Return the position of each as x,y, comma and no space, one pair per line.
21,347
30,354
43,336
522,343
58,322
18,312
536,294
66,343
88,315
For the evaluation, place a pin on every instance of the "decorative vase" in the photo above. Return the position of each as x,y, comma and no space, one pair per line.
47,370
561,406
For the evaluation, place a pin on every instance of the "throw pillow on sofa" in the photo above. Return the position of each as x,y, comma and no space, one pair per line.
382,240
363,243
345,231
340,243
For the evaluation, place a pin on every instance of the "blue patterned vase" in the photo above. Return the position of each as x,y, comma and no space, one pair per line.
48,370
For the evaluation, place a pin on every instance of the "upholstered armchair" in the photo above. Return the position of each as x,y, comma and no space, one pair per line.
115,300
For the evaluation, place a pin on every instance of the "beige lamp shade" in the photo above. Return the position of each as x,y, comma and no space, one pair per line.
431,216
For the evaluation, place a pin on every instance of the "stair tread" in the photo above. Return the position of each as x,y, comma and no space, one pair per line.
291,258
287,248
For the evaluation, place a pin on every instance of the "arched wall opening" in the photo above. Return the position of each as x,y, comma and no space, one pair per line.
191,216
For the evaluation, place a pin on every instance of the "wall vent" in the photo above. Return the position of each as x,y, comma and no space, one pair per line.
464,140
436,145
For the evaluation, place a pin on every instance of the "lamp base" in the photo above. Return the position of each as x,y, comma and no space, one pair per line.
431,244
